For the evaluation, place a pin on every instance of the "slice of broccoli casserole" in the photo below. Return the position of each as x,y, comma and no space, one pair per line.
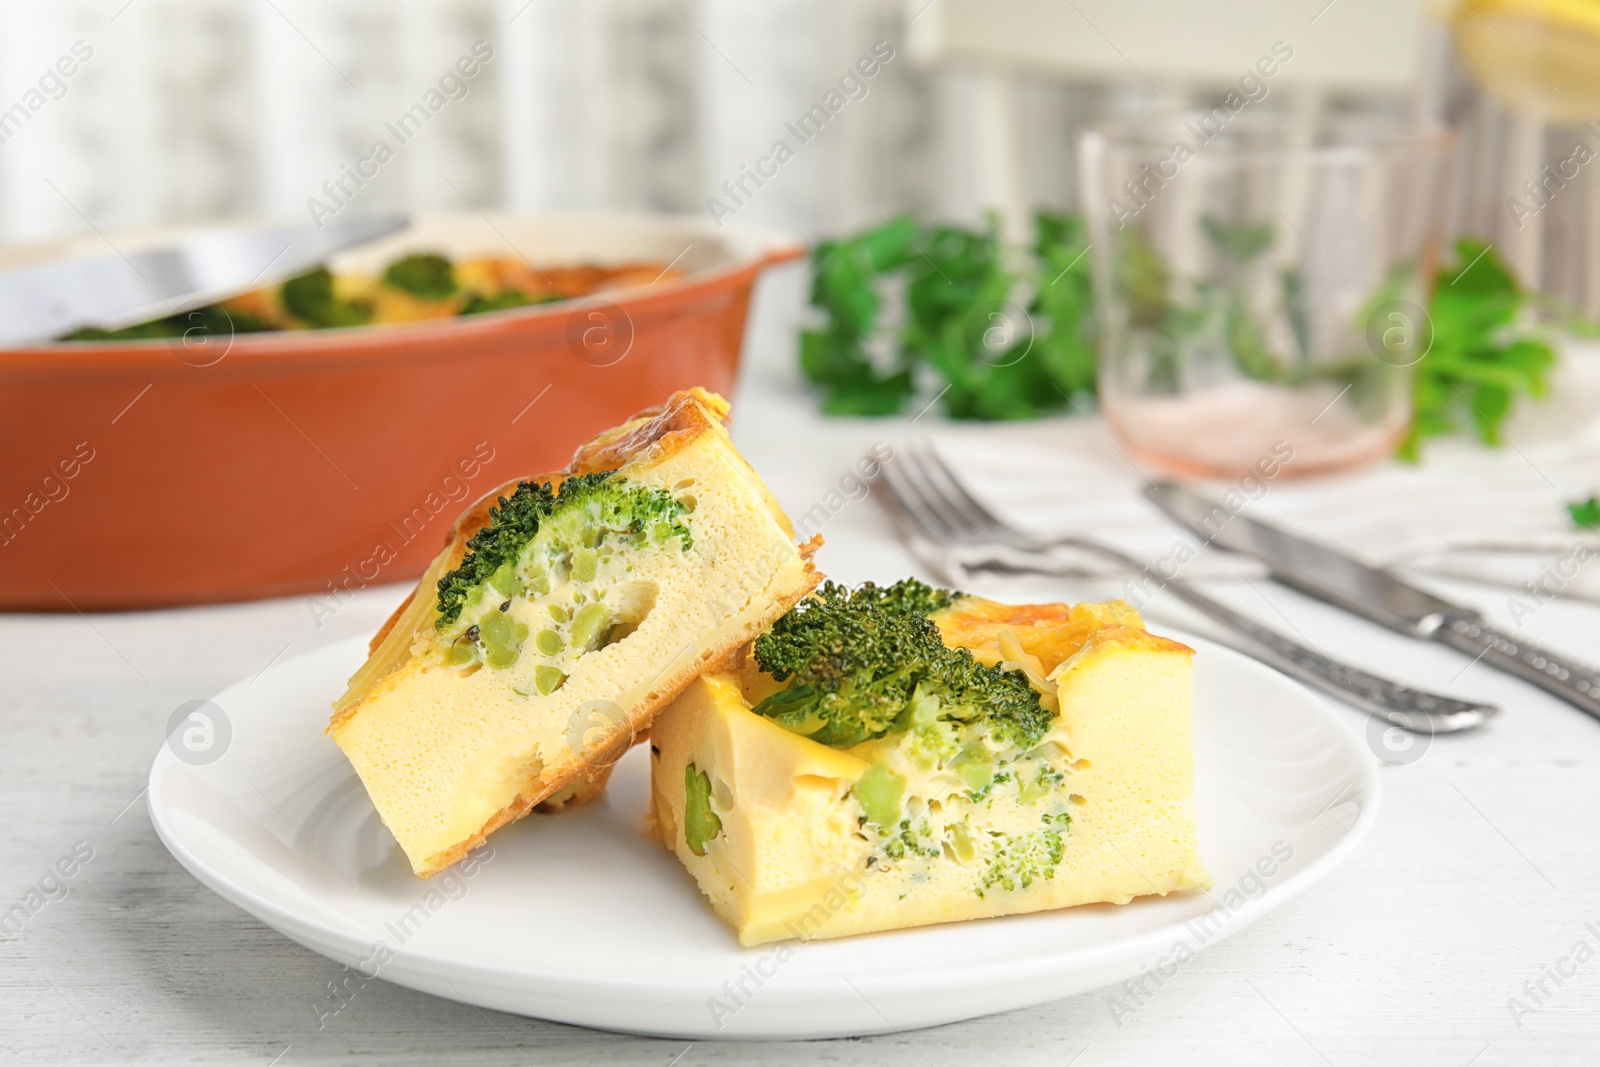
561,615
892,757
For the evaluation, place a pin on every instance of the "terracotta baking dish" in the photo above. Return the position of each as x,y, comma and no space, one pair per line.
153,473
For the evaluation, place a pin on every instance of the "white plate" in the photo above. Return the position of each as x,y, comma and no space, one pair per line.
582,919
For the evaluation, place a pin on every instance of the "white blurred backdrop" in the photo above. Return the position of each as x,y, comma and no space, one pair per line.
190,110
202,109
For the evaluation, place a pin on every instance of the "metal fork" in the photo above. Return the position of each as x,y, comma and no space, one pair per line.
932,503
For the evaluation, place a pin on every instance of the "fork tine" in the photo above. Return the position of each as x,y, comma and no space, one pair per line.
920,476
911,505
956,491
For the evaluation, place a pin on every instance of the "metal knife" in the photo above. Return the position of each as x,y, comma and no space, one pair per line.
1378,595
42,301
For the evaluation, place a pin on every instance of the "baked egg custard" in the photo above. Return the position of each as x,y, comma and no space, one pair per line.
901,756
561,615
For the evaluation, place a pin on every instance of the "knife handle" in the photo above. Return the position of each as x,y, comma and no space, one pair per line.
1576,683
1413,709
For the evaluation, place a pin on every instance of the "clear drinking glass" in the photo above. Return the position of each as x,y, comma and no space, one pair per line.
1261,285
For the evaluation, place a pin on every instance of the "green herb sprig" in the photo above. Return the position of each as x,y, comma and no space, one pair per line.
957,286
1486,352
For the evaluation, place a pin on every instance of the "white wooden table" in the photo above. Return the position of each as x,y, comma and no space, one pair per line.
1479,876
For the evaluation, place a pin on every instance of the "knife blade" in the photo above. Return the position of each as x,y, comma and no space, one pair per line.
1377,594
44,300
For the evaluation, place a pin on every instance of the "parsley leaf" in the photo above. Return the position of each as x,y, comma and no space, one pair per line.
1484,356
1585,513
844,287
996,359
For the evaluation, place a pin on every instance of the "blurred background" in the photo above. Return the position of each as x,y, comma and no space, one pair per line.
205,109
193,110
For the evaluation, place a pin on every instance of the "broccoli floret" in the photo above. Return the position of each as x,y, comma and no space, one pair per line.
423,274
1047,780
594,506
983,789
504,300
915,839
309,298
856,659
1025,858
911,596
934,740
206,323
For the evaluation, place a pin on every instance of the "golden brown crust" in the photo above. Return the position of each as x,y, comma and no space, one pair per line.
599,758
1053,633
1132,637
653,432
576,794
383,631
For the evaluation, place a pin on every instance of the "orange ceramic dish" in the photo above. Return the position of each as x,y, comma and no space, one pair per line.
140,474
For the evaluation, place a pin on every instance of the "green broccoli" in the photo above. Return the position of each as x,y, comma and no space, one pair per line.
587,510
916,839
423,274
477,304
862,663
1022,859
879,792
911,596
700,823
309,297
209,322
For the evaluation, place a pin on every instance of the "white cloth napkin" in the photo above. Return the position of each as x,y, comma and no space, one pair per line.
1494,515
